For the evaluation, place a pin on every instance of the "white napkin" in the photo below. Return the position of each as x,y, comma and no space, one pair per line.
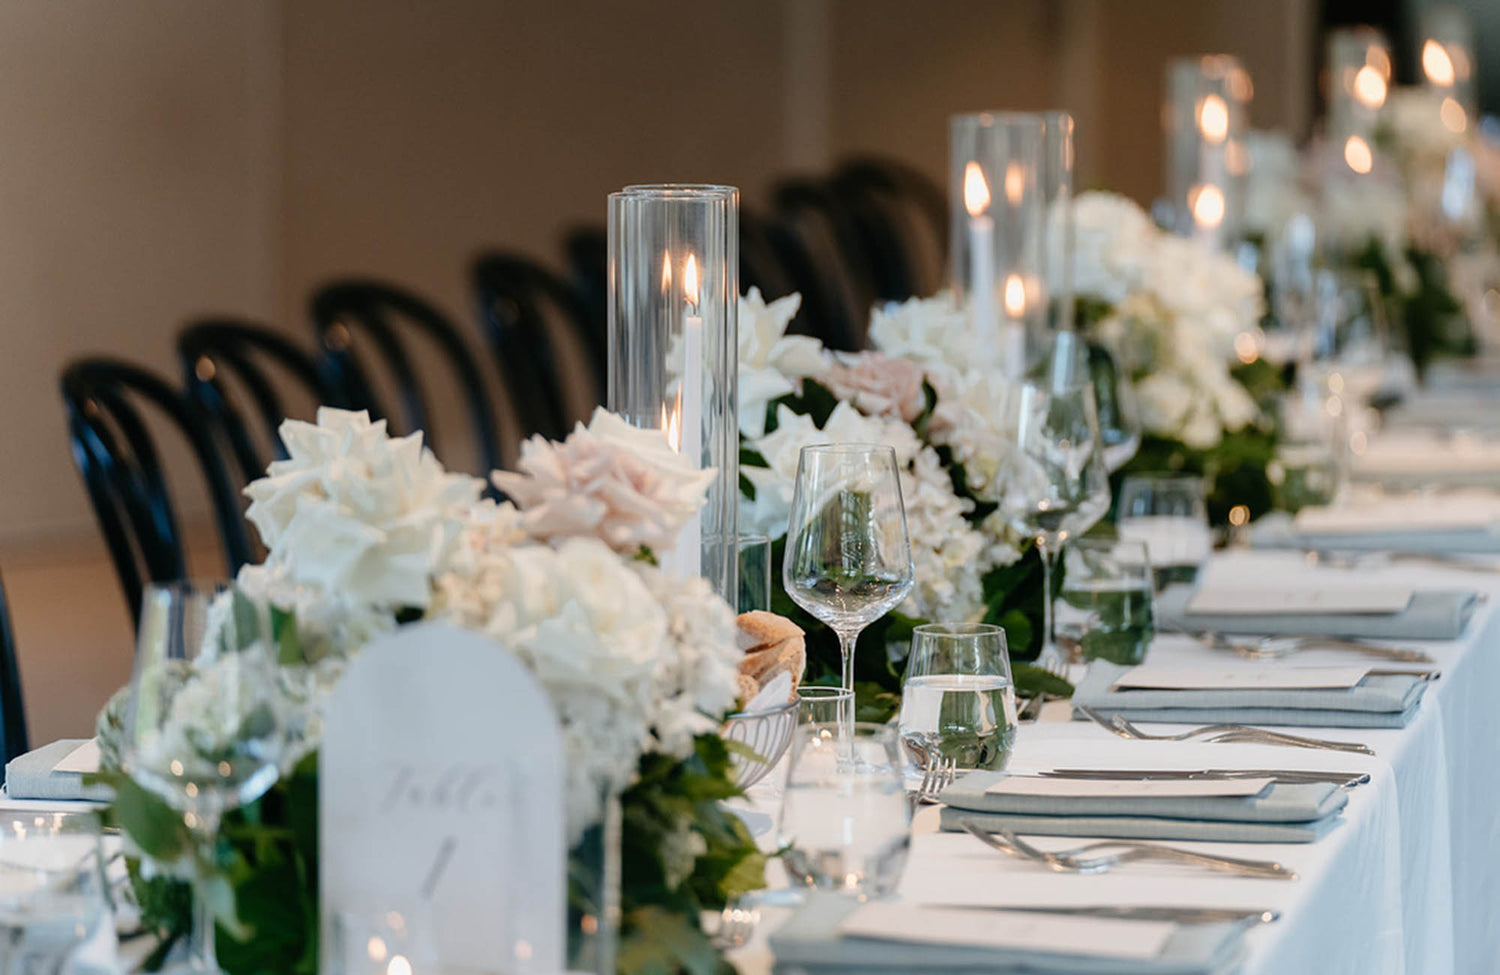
773,695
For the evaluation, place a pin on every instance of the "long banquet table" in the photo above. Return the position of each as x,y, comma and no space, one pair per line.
1409,882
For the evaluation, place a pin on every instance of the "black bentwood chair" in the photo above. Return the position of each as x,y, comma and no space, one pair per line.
122,471
903,217
219,353
830,262
526,312
13,739
387,316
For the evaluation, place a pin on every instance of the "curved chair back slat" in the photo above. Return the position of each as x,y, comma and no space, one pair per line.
382,312
523,308
13,737
905,215
213,350
829,261
123,474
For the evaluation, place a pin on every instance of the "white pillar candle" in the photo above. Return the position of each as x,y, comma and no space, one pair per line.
981,256
686,559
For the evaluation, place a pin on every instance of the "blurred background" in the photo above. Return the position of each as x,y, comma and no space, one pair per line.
168,159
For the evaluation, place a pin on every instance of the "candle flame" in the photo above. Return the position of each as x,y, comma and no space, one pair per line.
1207,201
976,190
690,281
1015,183
1369,87
1213,119
1377,58
1453,115
1015,295
671,424
666,273
1437,64
1357,154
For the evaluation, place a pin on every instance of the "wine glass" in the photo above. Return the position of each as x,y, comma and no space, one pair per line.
1058,486
1169,513
848,556
207,723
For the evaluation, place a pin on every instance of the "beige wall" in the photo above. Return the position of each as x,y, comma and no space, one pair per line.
169,157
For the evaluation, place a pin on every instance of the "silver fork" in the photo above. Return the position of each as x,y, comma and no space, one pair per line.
937,776
1076,860
1276,647
737,923
1223,733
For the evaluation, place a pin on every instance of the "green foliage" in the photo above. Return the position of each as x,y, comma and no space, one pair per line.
1235,468
816,401
1432,317
659,925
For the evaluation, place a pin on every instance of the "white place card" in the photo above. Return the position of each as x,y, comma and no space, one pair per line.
1150,677
441,797
84,759
1103,937
1029,785
1281,602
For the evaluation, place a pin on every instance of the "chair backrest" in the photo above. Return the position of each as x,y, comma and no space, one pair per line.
525,310
830,262
586,250
122,471
907,214
214,350
13,737
386,314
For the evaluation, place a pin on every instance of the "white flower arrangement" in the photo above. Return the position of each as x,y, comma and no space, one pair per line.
363,528
771,363
1177,317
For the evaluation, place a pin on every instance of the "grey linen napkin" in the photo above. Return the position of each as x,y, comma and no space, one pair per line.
1282,813
809,942
1433,614
1378,701
1279,531
34,776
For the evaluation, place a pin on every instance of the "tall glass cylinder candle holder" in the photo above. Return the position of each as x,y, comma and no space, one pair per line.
999,247
1359,78
1446,56
1206,118
1057,200
673,349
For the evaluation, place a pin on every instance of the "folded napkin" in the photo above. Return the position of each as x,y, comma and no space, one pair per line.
1378,701
1282,813
1279,531
34,775
810,942
1433,614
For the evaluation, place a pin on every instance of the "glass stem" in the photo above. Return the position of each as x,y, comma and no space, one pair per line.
847,641
202,951
1049,648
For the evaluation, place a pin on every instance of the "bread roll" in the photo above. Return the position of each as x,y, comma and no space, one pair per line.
772,645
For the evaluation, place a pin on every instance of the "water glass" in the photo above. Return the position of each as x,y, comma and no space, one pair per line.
755,573
1168,513
848,555
845,820
957,699
1104,611
52,898
381,943
824,705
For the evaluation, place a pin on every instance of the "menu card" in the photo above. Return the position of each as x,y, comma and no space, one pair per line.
1029,785
1283,602
1104,937
1239,678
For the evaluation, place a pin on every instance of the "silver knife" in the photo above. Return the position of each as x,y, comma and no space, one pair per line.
1147,775
1133,912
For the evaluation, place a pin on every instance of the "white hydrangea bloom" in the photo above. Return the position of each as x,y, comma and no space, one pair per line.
948,555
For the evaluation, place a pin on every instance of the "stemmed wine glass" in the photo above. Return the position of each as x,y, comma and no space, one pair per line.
207,724
1058,486
848,556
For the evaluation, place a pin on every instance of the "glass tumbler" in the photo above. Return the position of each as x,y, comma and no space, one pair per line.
52,898
957,699
1169,514
1104,611
845,820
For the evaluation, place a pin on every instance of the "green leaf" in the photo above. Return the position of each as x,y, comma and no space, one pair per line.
1031,681
288,642
661,941
247,618
155,828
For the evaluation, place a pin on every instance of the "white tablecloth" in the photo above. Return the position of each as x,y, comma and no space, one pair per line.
1410,882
